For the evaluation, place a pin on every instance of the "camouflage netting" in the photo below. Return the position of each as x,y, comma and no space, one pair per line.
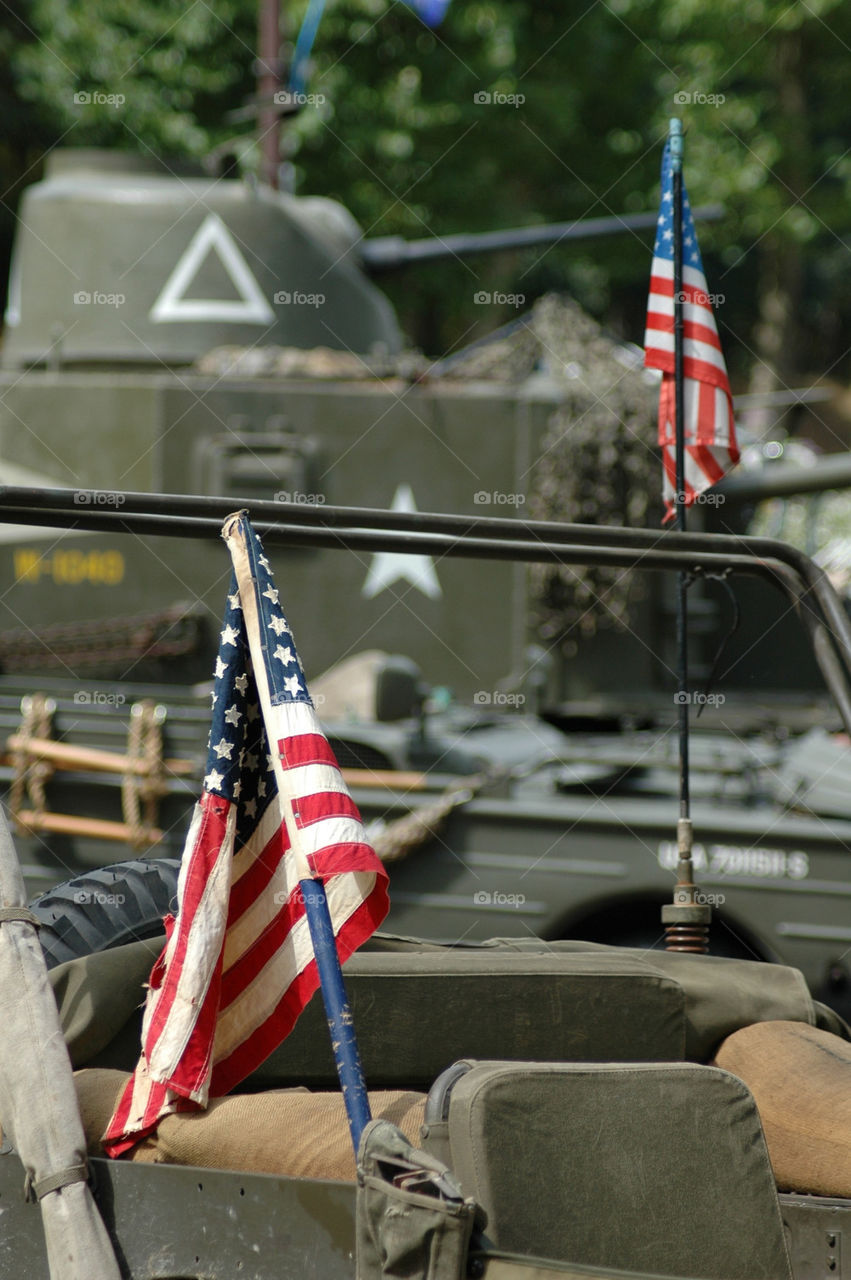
599,463
315,364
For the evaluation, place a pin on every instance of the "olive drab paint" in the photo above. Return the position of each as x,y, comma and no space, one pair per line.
125,274
120,261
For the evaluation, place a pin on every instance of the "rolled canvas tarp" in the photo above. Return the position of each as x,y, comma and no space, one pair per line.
38,1102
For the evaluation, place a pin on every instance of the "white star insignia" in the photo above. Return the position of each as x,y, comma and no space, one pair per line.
241,682
292,685
251,808
214,780
252,711
214,697
230,635
278,625
285,655
250,761
232,716
237,790
261,788
223,748
270,763
221,668
262,560
271,594
233,601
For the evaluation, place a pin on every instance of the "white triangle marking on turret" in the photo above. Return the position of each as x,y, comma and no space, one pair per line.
172,304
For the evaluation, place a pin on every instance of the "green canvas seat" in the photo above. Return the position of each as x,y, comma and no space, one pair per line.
416,1013
654,1167
420,1007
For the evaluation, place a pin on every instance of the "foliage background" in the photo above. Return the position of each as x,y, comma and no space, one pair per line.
401,140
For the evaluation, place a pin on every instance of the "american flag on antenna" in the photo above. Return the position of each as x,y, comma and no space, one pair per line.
709,428
238,966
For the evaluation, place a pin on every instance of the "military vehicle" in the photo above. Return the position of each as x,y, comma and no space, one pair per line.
191,335
103,638
494,823
566,1108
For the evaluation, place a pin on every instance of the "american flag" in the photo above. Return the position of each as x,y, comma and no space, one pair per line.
238,966
709,428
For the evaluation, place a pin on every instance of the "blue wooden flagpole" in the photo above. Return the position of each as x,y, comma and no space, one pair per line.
337,1010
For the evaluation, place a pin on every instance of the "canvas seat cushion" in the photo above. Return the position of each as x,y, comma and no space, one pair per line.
672,1152
800,1078
290,1132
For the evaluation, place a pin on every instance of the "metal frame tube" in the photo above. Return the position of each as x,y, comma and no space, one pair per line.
358,528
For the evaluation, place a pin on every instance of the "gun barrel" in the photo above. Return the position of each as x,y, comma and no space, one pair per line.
384,253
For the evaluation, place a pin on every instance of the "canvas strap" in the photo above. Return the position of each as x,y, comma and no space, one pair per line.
21,914
37,1190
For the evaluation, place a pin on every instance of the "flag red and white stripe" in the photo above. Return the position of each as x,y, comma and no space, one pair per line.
238,965
709,427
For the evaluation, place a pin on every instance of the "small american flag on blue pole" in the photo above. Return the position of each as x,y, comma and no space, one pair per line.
238,966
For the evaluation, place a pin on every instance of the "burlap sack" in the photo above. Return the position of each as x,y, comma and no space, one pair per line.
801,1081
286,1131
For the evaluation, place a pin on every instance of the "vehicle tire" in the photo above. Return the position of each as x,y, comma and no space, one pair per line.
106,908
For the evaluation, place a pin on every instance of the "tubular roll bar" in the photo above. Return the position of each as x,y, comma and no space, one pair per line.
483,537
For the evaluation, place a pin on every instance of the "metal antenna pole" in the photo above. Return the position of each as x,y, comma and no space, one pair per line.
686,921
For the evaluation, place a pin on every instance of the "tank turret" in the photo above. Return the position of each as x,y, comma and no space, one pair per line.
120,260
